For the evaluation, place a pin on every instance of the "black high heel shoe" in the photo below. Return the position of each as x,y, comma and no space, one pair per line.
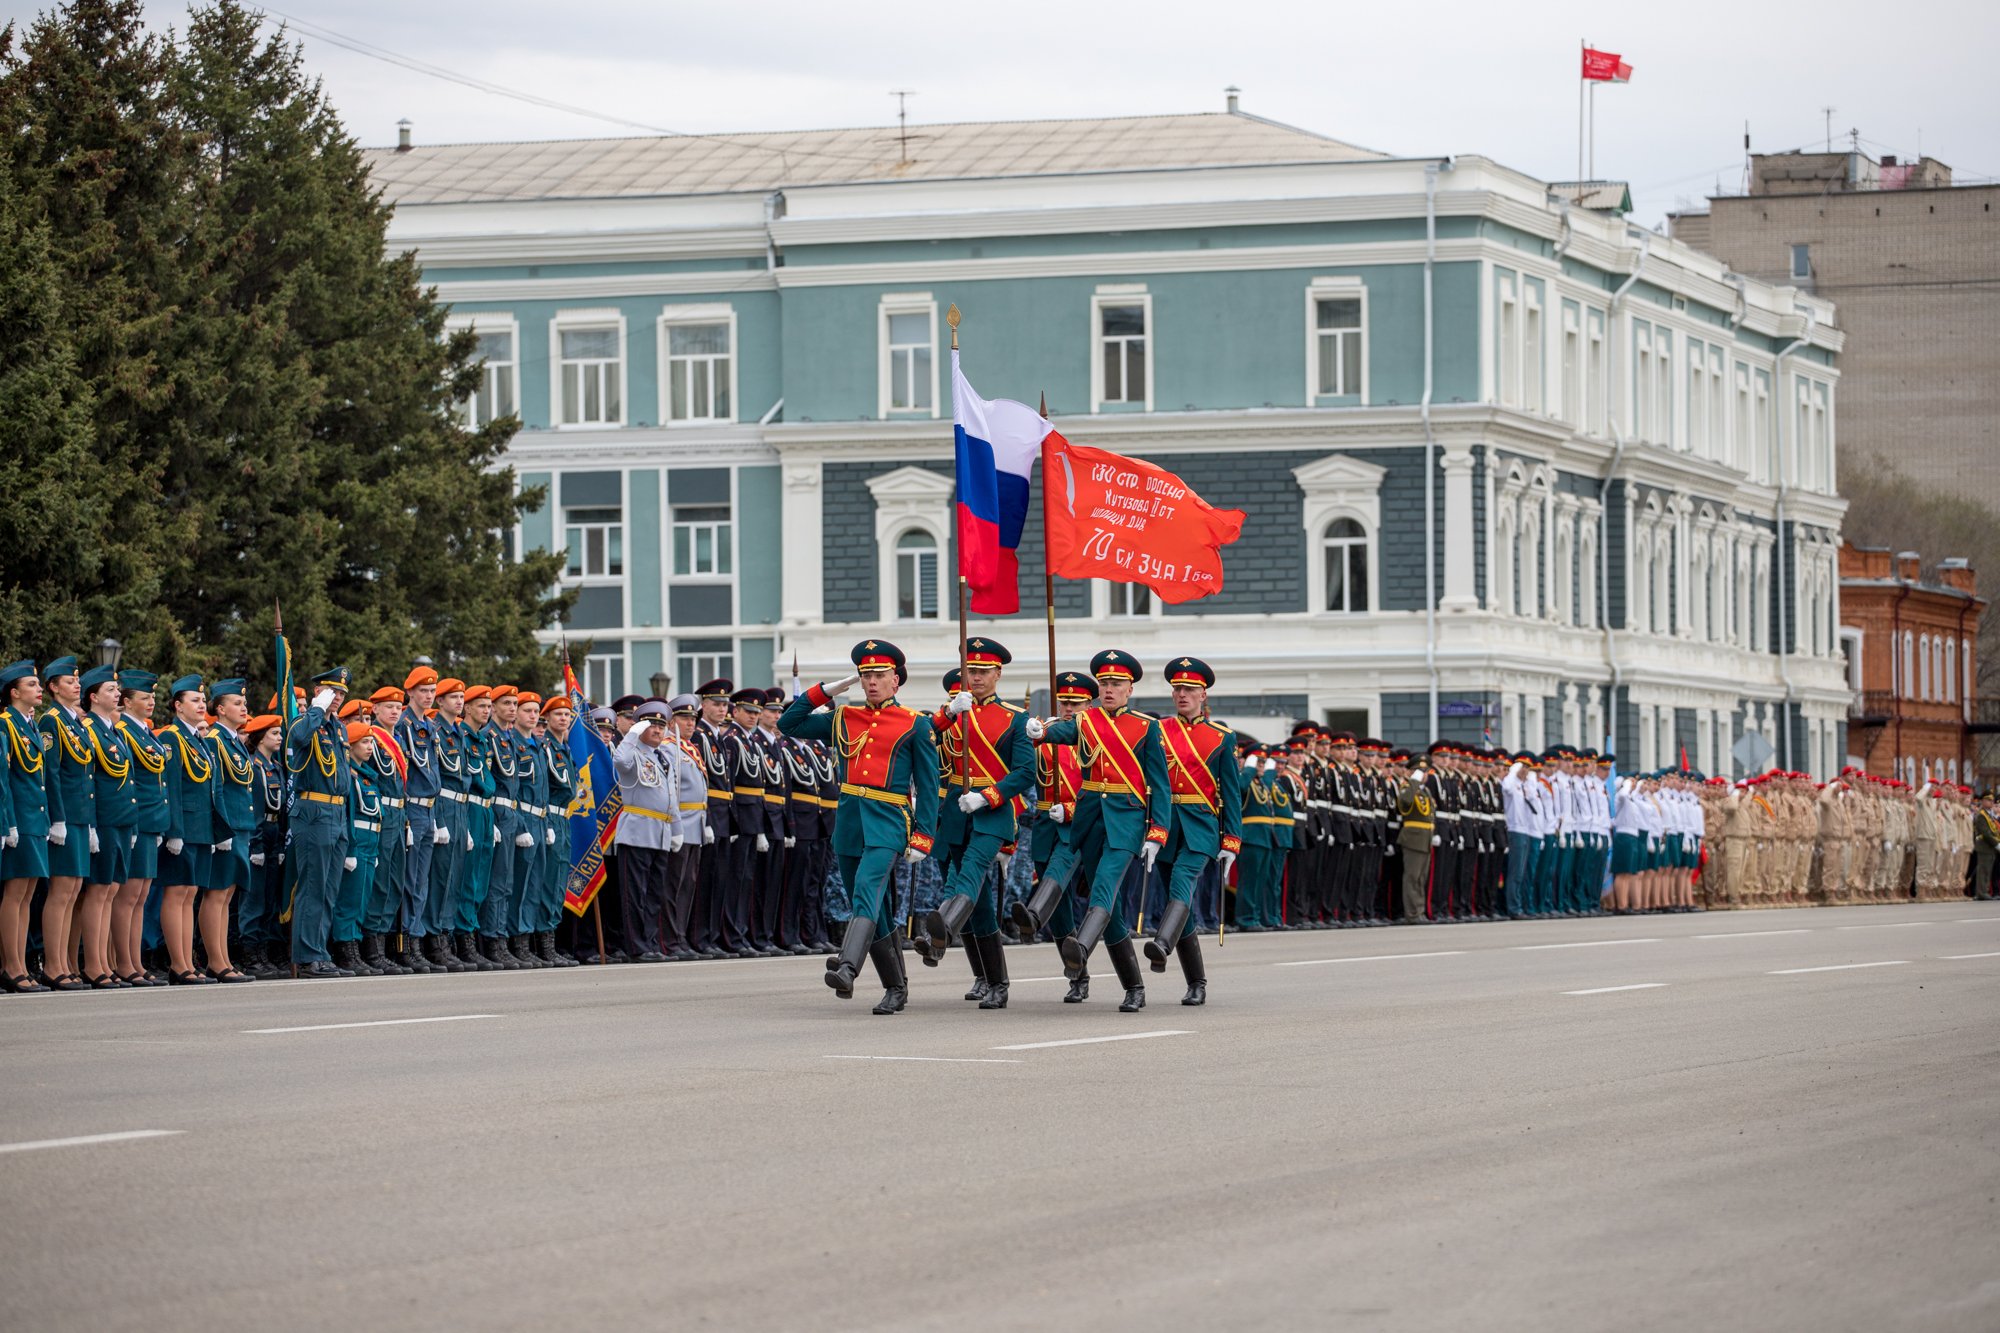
22,984
103,981
189,979
66,981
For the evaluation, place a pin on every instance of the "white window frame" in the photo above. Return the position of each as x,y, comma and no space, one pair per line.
598,679
674,527
689,674
1534,351
1663,397
907,303
563,525
575,321
1115,294
1643,382
1596,369
695,314
907,498
1328,289
1507,334
1338,486
1718,406
497,322
1697,395
1586,574
1570,360
937,552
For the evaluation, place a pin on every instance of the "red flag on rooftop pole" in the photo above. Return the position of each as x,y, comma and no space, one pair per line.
1605,66
1129,521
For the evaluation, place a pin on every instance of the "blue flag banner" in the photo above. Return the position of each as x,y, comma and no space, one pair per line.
593,810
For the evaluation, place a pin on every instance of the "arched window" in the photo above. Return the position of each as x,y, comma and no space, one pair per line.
1530,562
1940,673
1718,592
1924,685
1663,585
1639,615
917,576
1502,596
1344,548
1563,598
1742,601
1586,576
1909,681
1698,582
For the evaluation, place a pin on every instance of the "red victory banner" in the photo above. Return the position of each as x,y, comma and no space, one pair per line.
1125,520
1605,66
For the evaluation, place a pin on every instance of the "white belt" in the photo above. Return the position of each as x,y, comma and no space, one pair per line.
505,802
392,802
536,810
1345,810
423,802
458,796
366,824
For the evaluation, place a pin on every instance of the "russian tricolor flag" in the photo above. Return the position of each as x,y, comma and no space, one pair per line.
999,446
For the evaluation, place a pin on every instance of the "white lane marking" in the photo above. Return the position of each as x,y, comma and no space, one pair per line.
1883,925
83,1139
928,1059
1092,1041
1607,990
1837,967
1018,980
1585,944
378,1023
1956,957
1977,920
1371,958
1745,934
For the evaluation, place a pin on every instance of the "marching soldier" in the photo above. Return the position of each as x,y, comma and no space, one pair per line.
316,758
1207,817
1052,845
1128,769
887,755
987,764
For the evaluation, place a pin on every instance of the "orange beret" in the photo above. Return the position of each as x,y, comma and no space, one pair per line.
298,692
262,722
358,731
528,697
476,692
349,709
449,685
388,694
499,692
558,701
422,676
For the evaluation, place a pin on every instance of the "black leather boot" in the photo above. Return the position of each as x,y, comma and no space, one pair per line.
518,946
495,949
995,954
470,953
250,958
1189,952
545,948
1033,912
443,955
888,956
947,919
1079,990
412,956
977,961
1173,918
378,958
1125,958
347,954
1076,949
844,967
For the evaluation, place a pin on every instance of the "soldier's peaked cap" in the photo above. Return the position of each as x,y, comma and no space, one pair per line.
984,652
719,688
336,678
748,696
1116,664
1190,671
878,655
1075,686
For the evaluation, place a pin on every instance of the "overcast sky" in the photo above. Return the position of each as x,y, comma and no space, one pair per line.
1451,76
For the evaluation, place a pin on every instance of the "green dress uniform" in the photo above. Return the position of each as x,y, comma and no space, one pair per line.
149,783
887,754
1417,809
560,775
115,798
475,871
524,849
1207,826
1985,845
71,783
1059,787
385,890
24,809
237,814
1267,840
496,901
987,762
316,759
1126,761
190,835
364,851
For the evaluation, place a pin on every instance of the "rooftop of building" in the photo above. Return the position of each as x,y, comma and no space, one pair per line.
1879,566
700,164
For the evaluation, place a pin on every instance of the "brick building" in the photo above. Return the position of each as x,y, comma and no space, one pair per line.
1511,466
1910,260
1910,654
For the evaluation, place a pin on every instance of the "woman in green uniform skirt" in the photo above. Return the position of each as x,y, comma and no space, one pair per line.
24,821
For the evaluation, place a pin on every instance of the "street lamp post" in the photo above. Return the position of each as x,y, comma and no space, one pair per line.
659,681
108,653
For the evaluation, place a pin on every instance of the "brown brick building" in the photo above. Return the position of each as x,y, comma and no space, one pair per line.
1911,662
1913,264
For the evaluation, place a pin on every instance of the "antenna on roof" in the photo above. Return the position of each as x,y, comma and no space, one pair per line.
903,96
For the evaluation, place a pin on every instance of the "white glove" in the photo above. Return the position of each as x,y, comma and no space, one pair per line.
409,836
733,837
1149,854
962,702
1417,775
349,864
1436,840
1270,765
58,834
549,837
225,845
281,858
841,686
676,842
763,842
94,847
13,838
912,855
440,835
791,840
323,700
1059,813
173,846
496,839
524,839
1037,728
257,859
1224,860
972,801
707,836
468,840
1250,764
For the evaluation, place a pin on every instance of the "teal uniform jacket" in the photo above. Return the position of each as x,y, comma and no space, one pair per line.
364,821
559,777
477,753
885,755
1267,813
1010,747
149,778
316,758
235,786
69,779
503,771
190,787
1130,818
1200,828
116,796
27,789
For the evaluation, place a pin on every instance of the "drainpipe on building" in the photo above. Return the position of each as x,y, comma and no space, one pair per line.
1785,625
774,208
1742,286
1604,491
1430,441
1567,235
1897,685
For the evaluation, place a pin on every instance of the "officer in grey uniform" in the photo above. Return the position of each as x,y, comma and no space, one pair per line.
690,826
648,829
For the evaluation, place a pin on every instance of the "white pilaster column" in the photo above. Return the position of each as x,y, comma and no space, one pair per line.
1459,594
803,600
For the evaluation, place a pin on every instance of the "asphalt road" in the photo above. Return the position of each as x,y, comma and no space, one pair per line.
1794,1125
